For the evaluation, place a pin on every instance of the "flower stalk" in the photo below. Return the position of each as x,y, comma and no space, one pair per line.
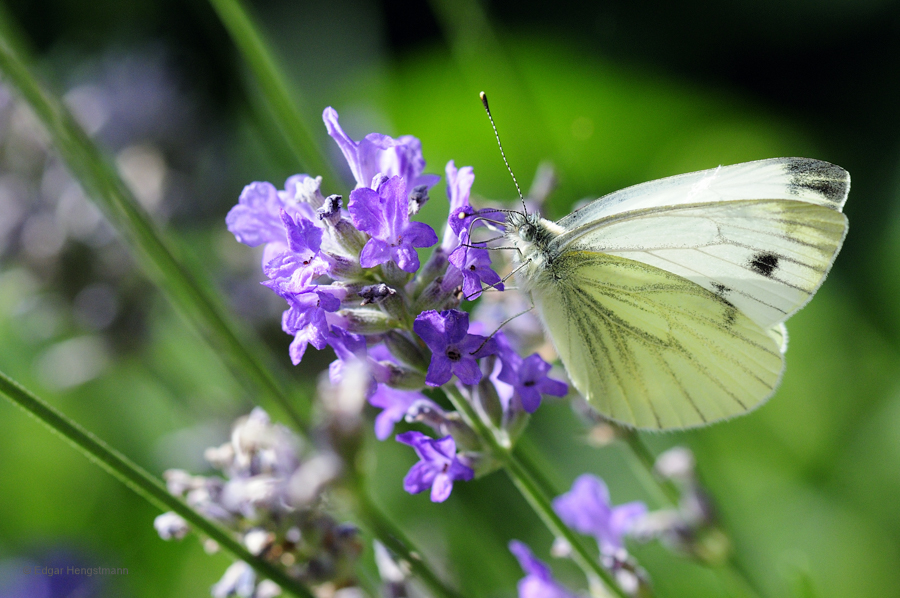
532,491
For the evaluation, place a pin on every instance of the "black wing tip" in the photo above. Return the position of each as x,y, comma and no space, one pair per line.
828,180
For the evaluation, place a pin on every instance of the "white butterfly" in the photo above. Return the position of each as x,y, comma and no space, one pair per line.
666,301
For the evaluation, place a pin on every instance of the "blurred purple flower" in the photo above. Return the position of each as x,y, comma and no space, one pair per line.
438,467
538,581
528,378
586,508
380,154
453,349
395,404
384,214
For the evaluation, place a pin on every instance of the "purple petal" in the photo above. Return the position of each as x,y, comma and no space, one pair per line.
625,516
533,367
395,403
412,438
554,388
439,370
396,206
441,488
445,447
420,477
405,257
430,327
367,211
347,145
255,219
419,234
456,325
530,397
374,253
298,347
467,371
459,184
458,471
530,564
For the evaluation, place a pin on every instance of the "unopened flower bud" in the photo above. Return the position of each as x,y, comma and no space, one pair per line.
676,464
171,525
375,293
417,198
405,350
330,212
366,320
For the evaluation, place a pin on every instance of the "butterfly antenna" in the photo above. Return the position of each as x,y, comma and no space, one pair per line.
505,322
487,109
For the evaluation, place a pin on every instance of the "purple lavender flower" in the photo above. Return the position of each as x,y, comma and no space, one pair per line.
453,349
380,154
301,263
257,219
528,378
438,468
462,214
305,318
586,508
384,214
395,404
473,264
538,581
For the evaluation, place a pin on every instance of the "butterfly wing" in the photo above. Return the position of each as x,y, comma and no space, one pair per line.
762,234
766,257
798,179
654,350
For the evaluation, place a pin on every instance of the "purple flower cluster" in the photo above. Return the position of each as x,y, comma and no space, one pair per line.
586,508
269,495
352,279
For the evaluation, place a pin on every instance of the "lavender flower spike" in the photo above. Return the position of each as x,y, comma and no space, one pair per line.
586,508
453,349
438,468
384,214
380,154
538,581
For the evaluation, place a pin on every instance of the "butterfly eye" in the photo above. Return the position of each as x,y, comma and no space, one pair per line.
526,232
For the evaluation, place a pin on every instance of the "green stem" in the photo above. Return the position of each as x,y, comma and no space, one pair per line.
276,91
184,286
140,481
526,482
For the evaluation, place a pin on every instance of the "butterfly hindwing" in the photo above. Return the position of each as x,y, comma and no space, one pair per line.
651,349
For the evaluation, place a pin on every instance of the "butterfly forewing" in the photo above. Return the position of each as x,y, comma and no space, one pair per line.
651,349
800,179
766,257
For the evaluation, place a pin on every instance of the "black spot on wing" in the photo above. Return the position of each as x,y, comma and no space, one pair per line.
828,180
764,263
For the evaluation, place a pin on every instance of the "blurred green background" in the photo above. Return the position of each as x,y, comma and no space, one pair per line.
611,93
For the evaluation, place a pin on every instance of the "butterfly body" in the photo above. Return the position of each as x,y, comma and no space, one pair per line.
666,300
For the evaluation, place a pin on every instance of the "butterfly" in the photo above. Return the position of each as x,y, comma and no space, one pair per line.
666,301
